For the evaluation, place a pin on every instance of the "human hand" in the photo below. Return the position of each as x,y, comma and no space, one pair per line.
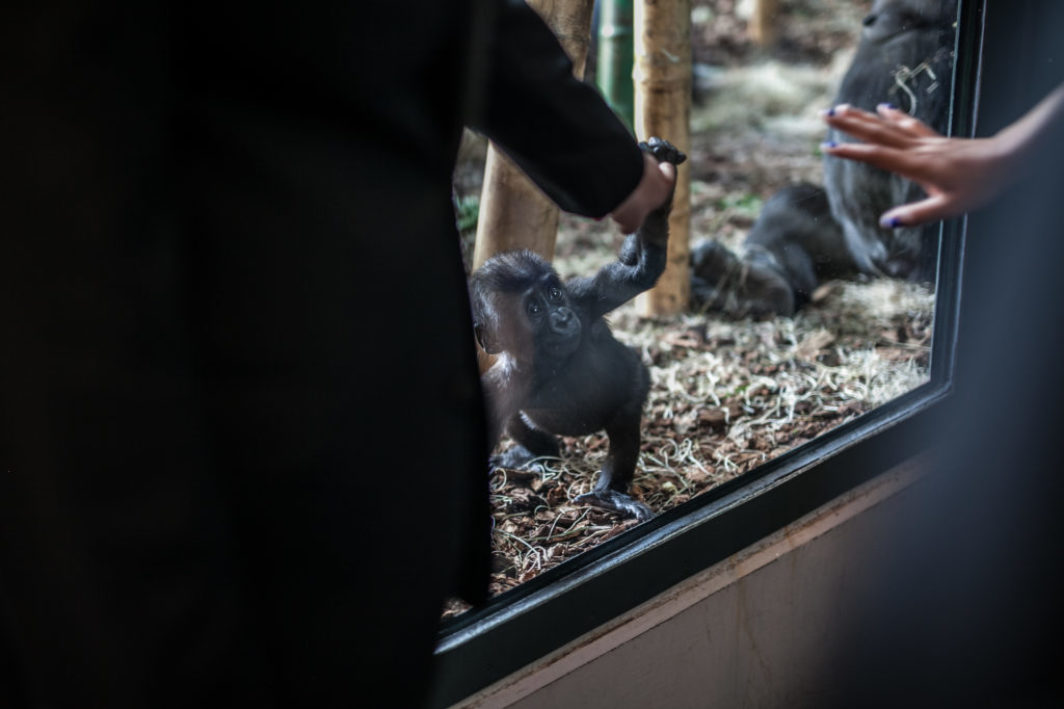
958,174
652,191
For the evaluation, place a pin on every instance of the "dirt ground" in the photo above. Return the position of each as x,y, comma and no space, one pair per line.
726,395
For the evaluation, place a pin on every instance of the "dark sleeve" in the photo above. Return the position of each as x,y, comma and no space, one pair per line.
557,129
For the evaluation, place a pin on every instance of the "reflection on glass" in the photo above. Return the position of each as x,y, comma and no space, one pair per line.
805,314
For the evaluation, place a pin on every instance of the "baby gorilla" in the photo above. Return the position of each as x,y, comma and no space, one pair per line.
560,370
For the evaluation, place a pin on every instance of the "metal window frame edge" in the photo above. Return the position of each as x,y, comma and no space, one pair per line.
520,626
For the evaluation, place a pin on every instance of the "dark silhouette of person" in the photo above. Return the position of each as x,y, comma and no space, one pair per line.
242,455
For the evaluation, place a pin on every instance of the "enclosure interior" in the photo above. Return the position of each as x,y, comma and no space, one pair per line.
729,392
847,444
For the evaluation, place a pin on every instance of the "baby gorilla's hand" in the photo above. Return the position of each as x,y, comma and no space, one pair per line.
663,150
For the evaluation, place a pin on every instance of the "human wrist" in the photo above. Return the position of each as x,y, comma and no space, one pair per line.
650,193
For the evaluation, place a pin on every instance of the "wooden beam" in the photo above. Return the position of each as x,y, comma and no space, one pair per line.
763,22
662,75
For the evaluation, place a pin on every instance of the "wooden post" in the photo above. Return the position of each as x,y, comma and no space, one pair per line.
662,75
514,213
762,27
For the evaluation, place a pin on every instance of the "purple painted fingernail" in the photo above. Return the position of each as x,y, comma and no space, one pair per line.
892,223
831,111
828,144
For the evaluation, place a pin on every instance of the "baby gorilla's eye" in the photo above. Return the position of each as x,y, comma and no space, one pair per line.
533,307
554,293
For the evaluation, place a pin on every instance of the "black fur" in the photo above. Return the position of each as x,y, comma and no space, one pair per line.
794,245
898,34
560,371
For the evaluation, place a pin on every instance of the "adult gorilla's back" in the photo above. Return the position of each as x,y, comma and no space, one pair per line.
905,57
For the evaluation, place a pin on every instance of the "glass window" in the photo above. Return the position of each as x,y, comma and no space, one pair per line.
814,339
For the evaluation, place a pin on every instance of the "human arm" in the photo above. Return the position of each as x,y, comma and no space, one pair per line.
958,174
558,129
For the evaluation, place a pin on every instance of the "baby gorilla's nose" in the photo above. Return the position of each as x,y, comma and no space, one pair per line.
564,322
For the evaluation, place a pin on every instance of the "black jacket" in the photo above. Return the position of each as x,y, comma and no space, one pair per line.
241,444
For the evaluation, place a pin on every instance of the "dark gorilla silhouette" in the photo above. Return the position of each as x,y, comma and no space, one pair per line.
806,233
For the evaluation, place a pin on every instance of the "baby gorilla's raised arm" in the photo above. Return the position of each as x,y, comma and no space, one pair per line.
643,256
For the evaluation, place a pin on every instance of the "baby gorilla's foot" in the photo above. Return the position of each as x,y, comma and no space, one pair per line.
518,458
663,150
617,502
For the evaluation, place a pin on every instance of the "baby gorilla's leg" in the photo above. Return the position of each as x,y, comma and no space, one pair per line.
532,443
610,490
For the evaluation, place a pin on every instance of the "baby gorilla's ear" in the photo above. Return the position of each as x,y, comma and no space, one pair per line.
485,318
478,331
485,339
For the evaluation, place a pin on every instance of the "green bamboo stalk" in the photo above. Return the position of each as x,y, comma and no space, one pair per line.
613,70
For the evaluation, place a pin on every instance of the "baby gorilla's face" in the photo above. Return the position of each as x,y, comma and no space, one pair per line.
555,326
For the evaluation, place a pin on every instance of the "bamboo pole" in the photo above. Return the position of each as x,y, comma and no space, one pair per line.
614,60
514,213
662,74
762,27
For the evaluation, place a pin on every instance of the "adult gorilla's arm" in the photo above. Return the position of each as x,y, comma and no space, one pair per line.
557,129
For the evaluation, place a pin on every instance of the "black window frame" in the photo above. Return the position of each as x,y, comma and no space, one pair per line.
518,627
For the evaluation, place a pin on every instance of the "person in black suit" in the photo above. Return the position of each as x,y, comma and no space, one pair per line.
242,454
